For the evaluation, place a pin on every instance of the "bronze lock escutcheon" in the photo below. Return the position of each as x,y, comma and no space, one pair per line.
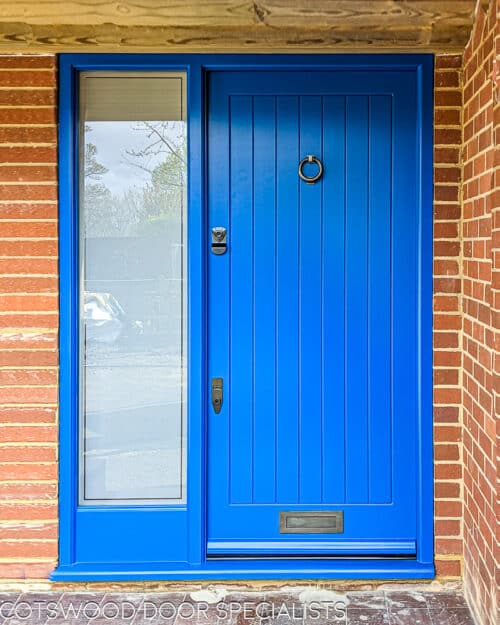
217,394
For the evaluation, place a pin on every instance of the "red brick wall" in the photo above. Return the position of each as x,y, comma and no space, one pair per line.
447,316
28,317
481,309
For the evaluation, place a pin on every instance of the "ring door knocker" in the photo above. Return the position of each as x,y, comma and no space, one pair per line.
310,158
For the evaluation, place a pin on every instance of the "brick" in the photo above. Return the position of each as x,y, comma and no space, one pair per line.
448,568
25,229
447,285
29,358
31,395
28,173
447,358
28,248
28,303
35,115
447,211
27,266
28,511
446,395
28,377
25,414
448,98
41,531
446,340
446,79
446,267
447,136
443,376
448,61
28,97
446,193
447,117
28,284
28,471
447,433
448,546
447,471
30,191
25,549
447,174
446,248
27,321
28,433
445,230
448,508
28,78
27,154
447,156
447,490
27,134
32,210
447,527
446,452
445,303
28,454
446,414
24,61
447,322
35,570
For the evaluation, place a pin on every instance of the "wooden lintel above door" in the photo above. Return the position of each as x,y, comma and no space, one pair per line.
235,25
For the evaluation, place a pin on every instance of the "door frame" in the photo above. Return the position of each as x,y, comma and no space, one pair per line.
198,566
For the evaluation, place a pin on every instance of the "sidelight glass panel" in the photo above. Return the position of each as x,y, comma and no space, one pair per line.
132,205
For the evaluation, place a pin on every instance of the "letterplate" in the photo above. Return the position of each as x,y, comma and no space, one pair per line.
312,522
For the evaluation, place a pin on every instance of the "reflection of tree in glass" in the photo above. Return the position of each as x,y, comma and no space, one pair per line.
163,196
97,196
155,205
93,169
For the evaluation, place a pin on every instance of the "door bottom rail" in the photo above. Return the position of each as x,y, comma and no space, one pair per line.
350,548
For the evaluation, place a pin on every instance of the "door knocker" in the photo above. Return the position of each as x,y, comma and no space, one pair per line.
310,158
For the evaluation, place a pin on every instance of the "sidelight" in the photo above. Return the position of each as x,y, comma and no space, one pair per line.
132,205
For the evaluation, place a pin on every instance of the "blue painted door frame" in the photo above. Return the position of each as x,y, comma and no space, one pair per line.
191,561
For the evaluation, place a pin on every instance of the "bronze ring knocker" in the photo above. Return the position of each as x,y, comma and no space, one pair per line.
311,159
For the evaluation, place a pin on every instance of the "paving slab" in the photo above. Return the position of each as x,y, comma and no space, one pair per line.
217,607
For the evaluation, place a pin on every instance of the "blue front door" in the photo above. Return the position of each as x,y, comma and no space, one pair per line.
313,313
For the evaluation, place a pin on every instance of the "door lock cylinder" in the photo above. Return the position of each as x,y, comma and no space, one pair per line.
219,240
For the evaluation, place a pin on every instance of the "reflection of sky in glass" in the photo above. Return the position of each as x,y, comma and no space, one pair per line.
113,140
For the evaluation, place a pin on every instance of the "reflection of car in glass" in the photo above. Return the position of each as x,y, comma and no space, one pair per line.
105,319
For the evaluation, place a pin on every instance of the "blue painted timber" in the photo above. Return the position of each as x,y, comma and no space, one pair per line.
335,290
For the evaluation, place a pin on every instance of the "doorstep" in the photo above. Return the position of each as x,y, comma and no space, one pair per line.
215,606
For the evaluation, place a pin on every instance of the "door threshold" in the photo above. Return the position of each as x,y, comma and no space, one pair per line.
224,569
